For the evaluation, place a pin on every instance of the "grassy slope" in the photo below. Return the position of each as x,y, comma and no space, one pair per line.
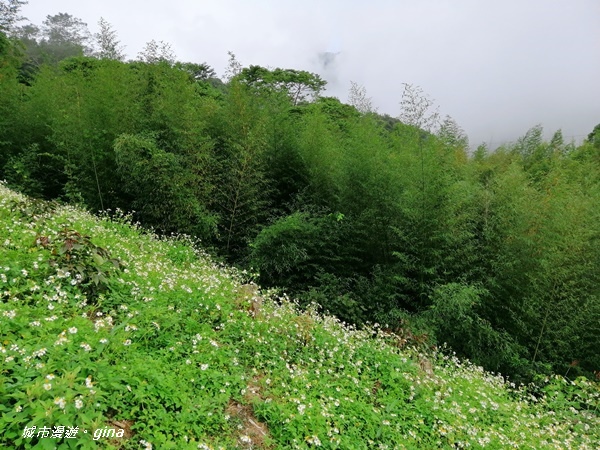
172,354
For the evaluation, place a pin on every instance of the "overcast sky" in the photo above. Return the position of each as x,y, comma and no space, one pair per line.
498,67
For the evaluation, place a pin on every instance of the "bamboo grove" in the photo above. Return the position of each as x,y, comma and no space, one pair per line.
375,219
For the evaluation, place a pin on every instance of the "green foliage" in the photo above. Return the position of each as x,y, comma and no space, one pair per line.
108,45
157,53
10,93
561,393
289,237
320,151
170,357
24,171
299,85
76,255
311,257
456,320
198,72
372,217
294,249
241,186
61,36
452,136
433,214
336,295
161,187
594,136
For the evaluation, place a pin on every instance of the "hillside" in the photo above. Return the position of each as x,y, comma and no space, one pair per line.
377,219
144,342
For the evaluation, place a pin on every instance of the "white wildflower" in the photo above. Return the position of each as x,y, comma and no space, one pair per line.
86,347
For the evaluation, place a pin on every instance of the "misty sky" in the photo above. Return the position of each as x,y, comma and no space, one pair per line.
497,67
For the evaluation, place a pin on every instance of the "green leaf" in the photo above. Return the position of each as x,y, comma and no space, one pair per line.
98,259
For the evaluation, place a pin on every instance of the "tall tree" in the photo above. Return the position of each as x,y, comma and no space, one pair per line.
418,109
156,52
10,94
198,72
109,47
60,36
242,190
357,97
299,85
452,135
422,235
66,35
594,136
9,13
234,67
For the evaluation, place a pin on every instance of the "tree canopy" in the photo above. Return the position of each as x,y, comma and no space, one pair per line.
300,85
